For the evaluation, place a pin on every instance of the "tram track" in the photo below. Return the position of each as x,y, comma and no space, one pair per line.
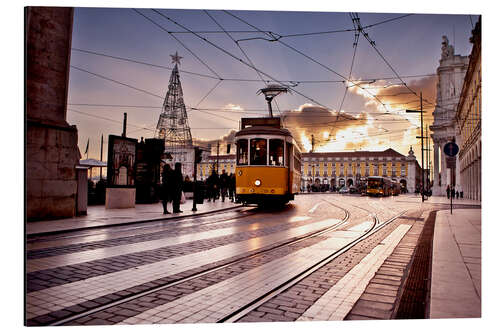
96,230
60,242
207,271
376,226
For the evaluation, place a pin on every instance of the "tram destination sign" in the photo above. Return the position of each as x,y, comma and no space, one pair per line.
450,149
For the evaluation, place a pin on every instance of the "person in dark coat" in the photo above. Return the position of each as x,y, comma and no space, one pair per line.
166,188
224,184
212,185
232,187
177,183
452,191
448,191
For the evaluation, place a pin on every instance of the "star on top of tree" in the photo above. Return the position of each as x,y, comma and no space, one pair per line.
176,59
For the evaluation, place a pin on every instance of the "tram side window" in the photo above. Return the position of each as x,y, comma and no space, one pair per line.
258,152
242,152
276,152
297,159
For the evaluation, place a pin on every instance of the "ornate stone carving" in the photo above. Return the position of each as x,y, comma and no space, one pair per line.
447,50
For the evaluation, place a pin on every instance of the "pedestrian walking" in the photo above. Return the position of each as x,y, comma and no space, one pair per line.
224,184
232,186
448,191
452,191
166,188
212,185
457,193
177,183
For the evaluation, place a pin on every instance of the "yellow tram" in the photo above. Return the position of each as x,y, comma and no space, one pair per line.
268,162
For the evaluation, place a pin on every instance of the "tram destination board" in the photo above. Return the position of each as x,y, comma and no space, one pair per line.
450,149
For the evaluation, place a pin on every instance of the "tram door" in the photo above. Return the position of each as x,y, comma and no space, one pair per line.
289,158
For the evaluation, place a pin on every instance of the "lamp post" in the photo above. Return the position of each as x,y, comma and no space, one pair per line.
421,137
270,92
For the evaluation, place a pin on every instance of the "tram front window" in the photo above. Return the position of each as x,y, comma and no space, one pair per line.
276,153
374,183
242,152
258,152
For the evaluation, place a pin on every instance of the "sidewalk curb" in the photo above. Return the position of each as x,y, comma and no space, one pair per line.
55,232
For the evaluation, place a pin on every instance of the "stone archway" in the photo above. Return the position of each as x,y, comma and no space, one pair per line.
350,182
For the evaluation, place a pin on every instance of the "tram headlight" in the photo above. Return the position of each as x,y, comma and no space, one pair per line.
257,182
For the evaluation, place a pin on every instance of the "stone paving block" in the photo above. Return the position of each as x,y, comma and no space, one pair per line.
290,309
275,317
378,298
384,292
375,305
98,321
390,271
387,277
386,282
358,317
371,312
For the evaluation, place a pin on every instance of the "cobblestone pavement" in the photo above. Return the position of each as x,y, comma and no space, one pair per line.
71,275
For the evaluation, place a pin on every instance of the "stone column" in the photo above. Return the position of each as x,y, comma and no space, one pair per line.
436,190
51,143
445,175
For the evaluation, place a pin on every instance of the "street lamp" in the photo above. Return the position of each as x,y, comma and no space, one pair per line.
421,137
270,92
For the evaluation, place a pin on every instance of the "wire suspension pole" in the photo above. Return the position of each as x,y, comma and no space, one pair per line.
422,144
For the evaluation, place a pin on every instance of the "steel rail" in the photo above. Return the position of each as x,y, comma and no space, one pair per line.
132,225
238,314
133,230
204,272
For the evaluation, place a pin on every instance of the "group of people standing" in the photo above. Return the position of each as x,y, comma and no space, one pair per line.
221,186
171,189
173,184
454,192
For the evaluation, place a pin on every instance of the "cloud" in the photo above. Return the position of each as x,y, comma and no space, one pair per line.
331,130
396,97
341,131
222,141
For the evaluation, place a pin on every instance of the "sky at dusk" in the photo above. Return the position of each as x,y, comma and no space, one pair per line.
219,89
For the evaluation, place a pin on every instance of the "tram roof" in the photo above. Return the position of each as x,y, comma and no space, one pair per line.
254,130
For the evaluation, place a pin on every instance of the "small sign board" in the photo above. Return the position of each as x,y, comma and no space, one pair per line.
451,162
450,149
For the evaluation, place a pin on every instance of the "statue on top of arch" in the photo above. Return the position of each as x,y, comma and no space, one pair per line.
447,50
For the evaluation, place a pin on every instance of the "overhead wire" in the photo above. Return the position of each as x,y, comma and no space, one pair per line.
355,45
141,90
291,82
208,93
239,59
310,58
242,51
179,41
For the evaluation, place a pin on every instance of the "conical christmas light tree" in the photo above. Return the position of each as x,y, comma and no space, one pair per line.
173,124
